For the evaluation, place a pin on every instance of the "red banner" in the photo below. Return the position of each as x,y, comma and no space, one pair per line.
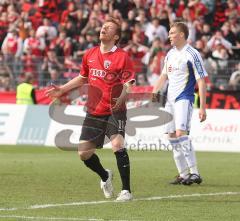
10,97
223,99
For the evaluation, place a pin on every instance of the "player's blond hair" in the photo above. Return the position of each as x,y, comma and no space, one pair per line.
182,27
118,25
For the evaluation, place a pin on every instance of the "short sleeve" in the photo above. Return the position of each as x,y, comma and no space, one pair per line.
164,70
198,66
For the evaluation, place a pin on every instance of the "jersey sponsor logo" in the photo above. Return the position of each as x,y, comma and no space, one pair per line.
109,76
170,68
107,64
97,73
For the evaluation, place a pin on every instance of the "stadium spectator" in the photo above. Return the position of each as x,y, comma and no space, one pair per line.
3,25
30,64
107,7
25,91
68,48
96,12
131,18
55,77
228,34
137,51
139,34
123,6
155,63
141,80
155,30
196,9
180,8
46,31
68,13
80,47
6,77
93,25
12,50
12,14
154,70
49,9
218,39
204,31
34,45
165,18
23,28
58,43
141,19
50,62
232,10
126,33
192,24
70,29
219,13
234,81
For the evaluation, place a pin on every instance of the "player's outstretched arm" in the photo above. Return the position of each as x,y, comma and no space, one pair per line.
202,95
57,91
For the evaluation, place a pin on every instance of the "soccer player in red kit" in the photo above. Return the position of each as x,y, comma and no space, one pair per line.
109,73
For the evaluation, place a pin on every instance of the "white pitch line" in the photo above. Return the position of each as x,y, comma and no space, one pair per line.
186,195
49,218
56,218
44,206
8,209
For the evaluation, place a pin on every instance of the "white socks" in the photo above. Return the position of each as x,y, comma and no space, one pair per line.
179,158
184,155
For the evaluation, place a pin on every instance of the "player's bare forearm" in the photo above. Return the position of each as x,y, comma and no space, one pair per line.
57,91
74,83
126,89
160,83
202,95
202,92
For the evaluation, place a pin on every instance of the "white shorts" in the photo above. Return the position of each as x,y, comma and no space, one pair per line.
182,114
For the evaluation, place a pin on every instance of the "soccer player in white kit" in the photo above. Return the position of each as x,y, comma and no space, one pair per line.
183,67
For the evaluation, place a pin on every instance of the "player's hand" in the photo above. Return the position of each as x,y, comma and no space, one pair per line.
154,97
202,114
54,92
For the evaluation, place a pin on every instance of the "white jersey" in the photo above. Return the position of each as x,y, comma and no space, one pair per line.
183,68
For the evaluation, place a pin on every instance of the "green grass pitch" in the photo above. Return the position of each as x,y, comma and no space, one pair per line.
56,180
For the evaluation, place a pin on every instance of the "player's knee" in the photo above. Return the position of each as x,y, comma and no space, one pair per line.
180,133
117,145
84,155
172,135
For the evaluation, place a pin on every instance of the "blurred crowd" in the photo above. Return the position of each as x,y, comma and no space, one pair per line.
47,38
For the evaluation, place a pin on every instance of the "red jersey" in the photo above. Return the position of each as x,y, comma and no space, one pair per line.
106,73
33,44
12,45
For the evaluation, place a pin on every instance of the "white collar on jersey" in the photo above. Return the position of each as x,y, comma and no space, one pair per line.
114,48
184,47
